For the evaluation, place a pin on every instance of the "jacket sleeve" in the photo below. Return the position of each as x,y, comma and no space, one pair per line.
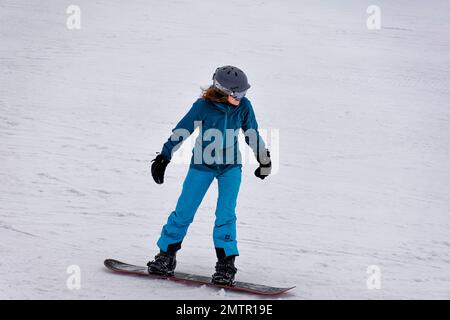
251,133
182,131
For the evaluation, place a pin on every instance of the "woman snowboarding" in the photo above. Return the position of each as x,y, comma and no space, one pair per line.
220,112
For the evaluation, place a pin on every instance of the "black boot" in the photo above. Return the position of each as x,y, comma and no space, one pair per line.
165,262
225,270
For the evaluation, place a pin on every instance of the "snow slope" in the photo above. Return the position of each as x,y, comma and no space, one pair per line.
364,153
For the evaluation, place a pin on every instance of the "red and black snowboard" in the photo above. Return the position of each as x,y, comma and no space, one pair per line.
125,268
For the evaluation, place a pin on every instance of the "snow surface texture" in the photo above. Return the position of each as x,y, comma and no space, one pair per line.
364,154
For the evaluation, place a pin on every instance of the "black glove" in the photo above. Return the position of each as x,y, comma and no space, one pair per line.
159,167
265,165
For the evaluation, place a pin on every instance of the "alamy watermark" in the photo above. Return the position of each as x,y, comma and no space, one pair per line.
73,282
373,21
215,147
73,21
373,282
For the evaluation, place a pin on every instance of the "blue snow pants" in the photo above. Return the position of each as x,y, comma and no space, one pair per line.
195,186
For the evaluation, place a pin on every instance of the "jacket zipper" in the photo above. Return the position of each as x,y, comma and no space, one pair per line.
224,137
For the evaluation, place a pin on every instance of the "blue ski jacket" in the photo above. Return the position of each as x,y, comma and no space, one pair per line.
221,142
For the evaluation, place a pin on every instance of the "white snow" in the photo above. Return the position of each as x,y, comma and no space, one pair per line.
364,152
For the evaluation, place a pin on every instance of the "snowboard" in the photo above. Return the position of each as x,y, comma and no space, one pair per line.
125,268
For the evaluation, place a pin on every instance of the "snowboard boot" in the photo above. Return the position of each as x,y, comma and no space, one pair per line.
225,271
165,261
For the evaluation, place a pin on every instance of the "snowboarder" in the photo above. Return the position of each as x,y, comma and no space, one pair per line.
222,107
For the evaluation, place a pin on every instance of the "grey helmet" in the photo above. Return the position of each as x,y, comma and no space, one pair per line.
231,80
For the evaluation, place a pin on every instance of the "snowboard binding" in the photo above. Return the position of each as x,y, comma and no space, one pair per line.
225,272
164,264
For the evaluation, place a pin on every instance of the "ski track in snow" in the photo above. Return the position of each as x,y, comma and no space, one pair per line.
364,168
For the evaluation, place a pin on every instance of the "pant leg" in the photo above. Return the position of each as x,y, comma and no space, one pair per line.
224,233
194,189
